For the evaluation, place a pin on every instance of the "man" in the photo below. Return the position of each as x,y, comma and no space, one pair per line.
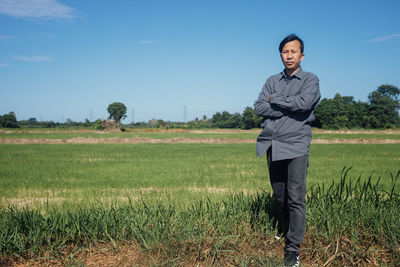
286,102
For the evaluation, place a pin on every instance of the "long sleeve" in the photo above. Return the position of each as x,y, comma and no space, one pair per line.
304,101
263,108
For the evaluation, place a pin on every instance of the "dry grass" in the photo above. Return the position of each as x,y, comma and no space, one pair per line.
179,140
256,250
41,198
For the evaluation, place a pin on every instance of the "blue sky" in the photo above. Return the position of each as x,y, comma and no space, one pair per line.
64,59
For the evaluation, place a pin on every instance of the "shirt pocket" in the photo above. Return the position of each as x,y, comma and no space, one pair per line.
296,88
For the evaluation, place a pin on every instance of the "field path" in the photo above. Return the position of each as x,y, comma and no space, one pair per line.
177,140
199,131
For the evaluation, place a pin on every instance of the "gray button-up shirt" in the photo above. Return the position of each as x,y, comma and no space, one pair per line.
287,118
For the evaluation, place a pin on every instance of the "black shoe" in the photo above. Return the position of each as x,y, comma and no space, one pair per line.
291,259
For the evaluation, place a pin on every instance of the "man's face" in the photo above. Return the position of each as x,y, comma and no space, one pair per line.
291,56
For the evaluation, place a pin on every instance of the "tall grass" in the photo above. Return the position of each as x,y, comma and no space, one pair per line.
354,221
359,216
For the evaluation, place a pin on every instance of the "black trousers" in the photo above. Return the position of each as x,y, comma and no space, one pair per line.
288,181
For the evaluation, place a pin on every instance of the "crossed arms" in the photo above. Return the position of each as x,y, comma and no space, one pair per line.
276,105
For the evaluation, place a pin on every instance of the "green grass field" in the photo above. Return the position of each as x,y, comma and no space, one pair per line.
188,204
154,135
86,173
166,134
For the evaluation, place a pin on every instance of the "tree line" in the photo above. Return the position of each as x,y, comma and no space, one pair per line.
341,112
381,110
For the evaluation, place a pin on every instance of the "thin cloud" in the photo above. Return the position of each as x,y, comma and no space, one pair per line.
34,58
148,42
384,38
36,9
6,37
3,65
43,35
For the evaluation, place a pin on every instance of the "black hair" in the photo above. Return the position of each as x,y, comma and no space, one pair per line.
289,38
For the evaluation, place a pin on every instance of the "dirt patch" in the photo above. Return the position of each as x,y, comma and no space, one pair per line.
254,249
217,131
198,131
115,140
390,131
355,141
126,255
47,132
178,140
29,198
23,202
188,253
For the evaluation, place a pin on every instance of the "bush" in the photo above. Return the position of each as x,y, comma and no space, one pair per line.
9,121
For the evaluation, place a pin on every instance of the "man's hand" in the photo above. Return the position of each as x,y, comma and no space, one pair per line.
269,99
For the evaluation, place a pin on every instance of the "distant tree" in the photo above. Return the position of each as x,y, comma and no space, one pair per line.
235,121
361,111
160,124
117,112
247,120
87,123
224,120
9,120
383,106
250,119
196,123
345,112
341,112
220,119
99,125
49,124
32,121
153,122
391,91
324,114
69,121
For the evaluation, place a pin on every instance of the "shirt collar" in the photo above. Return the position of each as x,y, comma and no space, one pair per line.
299,74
